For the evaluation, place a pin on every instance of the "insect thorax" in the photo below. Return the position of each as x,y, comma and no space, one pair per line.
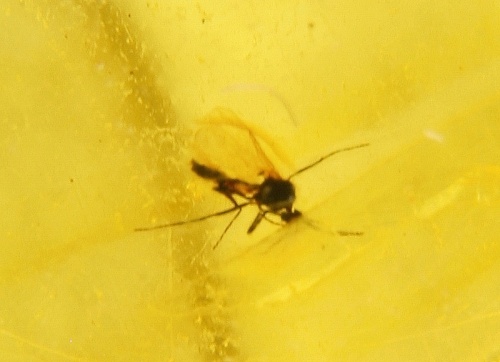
276,194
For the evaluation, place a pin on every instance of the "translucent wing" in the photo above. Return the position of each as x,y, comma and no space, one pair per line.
224,142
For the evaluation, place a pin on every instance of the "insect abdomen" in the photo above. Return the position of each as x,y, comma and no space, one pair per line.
207,172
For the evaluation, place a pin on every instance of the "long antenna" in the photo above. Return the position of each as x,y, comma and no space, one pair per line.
223,212
325,157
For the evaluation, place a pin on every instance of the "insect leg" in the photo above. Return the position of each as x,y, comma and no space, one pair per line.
256,221
349,233
176,223
317,227
271,221
227,193
228,226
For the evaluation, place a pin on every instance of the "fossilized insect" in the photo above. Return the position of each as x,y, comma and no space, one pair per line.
258,182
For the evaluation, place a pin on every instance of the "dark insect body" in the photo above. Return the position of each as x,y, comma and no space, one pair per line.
274,195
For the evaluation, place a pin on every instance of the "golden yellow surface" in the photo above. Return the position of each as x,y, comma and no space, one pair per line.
98,100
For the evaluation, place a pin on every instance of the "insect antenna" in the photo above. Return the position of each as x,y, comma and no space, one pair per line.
219,213
326,157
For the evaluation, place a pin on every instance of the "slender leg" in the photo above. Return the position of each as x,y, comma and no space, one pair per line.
256,221
219,213
227,194
349,233
227,228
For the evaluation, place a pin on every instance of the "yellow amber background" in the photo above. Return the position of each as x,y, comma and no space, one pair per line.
97,103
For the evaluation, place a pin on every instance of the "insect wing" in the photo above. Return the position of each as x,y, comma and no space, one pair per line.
224,143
